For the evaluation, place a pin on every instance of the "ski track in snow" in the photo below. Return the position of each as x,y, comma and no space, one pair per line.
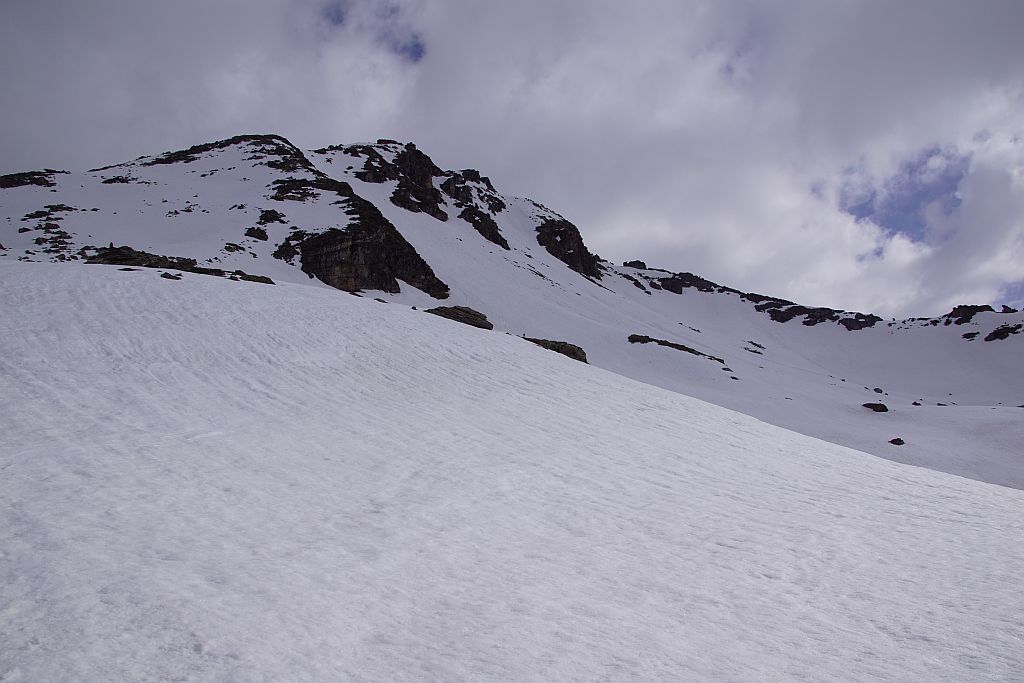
215,480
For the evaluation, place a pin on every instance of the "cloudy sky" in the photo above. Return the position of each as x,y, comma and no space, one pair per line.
865,154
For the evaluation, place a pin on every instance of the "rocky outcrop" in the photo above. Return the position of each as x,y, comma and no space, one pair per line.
414,171
464,315
779,310
416,191
369,253
461,186
469,190
365,256
564,348
961,315
1003,332
640,265
268,216
376,169
677,282
562,240
126,256
485,225
877,407
278,152
644,339
39,178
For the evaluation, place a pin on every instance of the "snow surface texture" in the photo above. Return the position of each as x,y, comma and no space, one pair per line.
215,480
813,380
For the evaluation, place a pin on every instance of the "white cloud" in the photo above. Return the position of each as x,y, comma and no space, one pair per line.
716,137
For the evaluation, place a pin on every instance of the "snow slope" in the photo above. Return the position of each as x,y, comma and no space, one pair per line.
811,379
216,480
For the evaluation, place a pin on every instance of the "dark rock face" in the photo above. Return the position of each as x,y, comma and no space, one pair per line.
365,256
1003,332
877,407
39,178
897,441
257,233
376,169
485,225
859,321
281,154
414,171
677,282
369,254
1007,309
460,187
563,241
783,311
416,191
635,264
564,348
644,339
464,315
964,314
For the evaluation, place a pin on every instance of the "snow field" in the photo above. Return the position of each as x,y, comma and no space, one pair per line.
215,480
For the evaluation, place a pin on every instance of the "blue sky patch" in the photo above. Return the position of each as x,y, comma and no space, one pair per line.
1013,295
898,204
384,22
335,13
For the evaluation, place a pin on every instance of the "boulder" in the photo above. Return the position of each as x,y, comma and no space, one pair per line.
464,315
564,348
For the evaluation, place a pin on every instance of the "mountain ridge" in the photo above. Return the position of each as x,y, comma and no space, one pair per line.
414,170
383,220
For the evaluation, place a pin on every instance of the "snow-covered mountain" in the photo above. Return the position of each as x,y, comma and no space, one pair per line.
209,480
383,220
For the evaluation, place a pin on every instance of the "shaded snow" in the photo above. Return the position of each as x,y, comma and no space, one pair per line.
215,480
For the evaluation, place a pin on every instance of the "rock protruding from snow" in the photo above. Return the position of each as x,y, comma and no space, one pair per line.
961,315
644,339
462,185
415,172
416,191
564,348
1003,332
39,178
369,254
485,225
464,315
268,150
134,258
562,239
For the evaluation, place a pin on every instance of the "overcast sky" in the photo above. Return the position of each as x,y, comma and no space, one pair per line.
852,153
